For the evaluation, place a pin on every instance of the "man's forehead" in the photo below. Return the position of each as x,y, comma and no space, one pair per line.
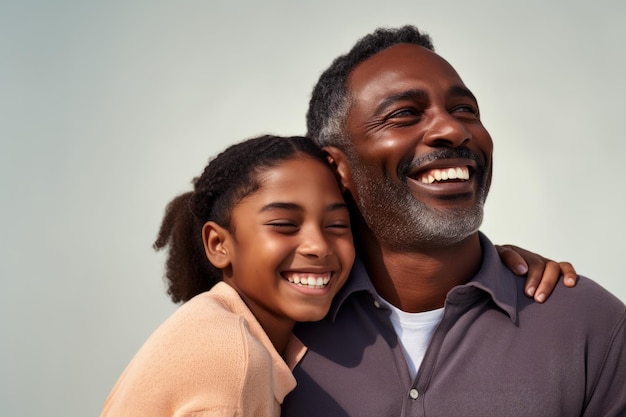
399,62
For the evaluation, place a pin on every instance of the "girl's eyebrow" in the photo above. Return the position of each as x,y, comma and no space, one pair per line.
277,205
280,205
337,206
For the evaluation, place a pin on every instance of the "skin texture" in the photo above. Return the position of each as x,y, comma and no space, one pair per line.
403,128
294,225
411,113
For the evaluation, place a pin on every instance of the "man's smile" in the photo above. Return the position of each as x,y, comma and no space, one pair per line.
456,170
460,173
445,178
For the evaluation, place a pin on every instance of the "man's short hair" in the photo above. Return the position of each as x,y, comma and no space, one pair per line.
329,102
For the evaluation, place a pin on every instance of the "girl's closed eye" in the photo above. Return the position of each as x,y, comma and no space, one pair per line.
284,226
339,227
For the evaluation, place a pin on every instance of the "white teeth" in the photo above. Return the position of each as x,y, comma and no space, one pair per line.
458,173
309,279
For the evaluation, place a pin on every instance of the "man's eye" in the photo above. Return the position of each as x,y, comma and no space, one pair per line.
405,112
467,110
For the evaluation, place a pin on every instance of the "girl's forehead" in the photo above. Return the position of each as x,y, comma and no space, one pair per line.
298,165
301,168
297,176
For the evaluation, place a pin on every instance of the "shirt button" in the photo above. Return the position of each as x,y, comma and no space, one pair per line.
376,304
414,394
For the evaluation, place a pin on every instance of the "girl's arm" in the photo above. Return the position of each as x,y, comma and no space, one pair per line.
542,274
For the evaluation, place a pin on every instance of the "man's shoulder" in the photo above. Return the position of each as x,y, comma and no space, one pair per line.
588,307
588,292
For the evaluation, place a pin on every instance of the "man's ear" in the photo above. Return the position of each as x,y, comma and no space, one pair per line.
216,241
338,160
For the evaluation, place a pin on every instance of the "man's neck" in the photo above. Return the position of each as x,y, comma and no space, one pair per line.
419,281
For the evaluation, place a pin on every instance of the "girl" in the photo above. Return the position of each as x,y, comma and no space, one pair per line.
261,242
267,230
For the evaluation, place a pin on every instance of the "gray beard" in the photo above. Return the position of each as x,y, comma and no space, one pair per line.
402,223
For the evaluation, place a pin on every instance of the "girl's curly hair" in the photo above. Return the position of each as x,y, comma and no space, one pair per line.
226,180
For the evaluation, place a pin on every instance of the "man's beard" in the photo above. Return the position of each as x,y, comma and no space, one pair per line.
402,223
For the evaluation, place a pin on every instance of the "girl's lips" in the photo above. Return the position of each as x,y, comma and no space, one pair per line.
308,279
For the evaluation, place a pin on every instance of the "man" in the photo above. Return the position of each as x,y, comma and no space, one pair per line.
431,323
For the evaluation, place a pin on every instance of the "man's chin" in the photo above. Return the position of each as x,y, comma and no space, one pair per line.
430,231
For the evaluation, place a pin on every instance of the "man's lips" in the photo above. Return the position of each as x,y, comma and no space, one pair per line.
308,279
459,173
444,170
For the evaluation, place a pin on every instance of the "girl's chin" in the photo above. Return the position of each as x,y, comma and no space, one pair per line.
309,316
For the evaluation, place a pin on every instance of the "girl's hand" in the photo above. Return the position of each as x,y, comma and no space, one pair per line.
542,274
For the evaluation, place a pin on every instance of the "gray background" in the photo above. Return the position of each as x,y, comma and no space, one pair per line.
108,109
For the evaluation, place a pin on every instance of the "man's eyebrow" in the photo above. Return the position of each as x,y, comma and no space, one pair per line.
459,91
418,94
415,94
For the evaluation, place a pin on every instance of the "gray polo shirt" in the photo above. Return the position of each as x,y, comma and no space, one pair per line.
495,353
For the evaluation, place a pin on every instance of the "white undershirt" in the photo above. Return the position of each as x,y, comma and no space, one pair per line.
414,331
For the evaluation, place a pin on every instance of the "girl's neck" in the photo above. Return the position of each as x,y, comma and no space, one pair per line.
278,329
279,337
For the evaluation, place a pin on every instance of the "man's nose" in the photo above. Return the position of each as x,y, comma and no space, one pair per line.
446,130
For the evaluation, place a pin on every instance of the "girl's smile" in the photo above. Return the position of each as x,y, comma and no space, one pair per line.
289,247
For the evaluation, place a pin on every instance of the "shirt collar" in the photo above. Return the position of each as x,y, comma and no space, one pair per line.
358,281
493,278
496,280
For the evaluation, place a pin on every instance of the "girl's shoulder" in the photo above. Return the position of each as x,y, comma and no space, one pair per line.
199,358
217,317
203,340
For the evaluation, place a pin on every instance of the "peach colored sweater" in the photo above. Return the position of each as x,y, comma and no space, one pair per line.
210,358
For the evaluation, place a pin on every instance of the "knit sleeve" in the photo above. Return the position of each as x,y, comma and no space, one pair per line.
199,363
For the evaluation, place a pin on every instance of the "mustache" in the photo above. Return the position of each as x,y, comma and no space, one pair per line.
410,164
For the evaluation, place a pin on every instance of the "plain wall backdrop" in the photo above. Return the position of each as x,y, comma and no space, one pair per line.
109,109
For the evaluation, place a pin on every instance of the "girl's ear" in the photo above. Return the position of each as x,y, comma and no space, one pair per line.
338,160
216,241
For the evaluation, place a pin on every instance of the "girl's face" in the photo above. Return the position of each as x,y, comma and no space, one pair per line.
291,247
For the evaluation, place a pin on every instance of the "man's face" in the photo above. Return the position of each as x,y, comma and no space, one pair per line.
420,159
